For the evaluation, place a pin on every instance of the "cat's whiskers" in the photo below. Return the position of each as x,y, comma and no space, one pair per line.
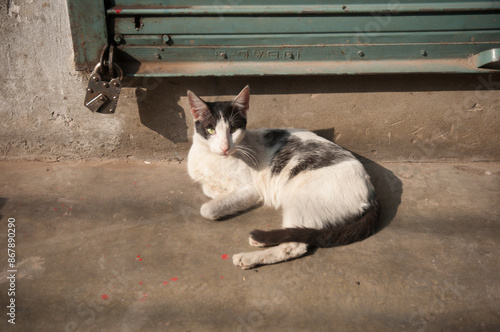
248,155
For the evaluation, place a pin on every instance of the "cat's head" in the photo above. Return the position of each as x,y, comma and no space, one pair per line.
221,124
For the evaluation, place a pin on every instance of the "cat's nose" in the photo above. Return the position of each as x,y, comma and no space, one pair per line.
224,148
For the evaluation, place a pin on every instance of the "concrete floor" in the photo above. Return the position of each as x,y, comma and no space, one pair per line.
120,246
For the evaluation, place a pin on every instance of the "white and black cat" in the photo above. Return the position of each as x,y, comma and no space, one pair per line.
324,191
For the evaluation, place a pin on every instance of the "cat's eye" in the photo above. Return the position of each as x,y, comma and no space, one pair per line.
211,131
232,130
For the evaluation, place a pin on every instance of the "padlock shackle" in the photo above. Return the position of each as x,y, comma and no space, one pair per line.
98,69
109,52
119,70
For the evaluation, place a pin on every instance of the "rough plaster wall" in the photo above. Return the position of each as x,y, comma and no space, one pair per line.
41,94
393,117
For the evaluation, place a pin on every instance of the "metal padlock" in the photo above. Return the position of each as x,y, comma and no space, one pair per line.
102,94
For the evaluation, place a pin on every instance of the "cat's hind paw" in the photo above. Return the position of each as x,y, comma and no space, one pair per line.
244,260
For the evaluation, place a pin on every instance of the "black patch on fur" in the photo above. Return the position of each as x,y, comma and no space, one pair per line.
283,155
276,137
201,127
221,111
356,229
314,155
310,154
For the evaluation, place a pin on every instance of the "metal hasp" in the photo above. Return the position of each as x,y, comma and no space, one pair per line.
489,59
292,37
87,20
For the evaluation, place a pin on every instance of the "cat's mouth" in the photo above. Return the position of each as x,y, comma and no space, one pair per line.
227,153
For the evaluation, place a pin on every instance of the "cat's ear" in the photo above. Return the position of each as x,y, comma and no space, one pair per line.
241,102
198,107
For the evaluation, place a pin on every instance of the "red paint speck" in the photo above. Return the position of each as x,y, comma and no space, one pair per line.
165,282
140,283
140,259
118,11
55,208
268,225
149,245
221,277
225,256
174,279
104,296
82,198
138,256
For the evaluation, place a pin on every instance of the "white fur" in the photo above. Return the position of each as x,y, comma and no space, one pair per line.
225,179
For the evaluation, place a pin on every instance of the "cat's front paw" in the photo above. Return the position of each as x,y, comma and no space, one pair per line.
208,211
244,260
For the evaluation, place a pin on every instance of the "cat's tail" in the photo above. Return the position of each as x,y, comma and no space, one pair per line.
354,231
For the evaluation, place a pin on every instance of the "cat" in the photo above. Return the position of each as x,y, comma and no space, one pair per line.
324,192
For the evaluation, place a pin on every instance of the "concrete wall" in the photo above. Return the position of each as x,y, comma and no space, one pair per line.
384,118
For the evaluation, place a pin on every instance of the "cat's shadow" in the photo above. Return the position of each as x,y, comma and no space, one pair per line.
231,216
388,187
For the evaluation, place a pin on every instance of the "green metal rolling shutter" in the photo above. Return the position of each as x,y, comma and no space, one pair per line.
238,37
